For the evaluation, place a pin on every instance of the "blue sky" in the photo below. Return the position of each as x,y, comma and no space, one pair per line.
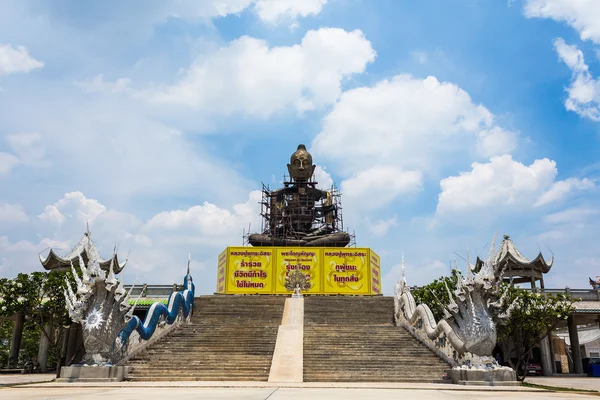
442,123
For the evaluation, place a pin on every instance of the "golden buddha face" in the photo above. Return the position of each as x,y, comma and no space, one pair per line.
301,168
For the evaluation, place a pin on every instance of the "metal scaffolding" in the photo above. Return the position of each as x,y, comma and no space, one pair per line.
286,216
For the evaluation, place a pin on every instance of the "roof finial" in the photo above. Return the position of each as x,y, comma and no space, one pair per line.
188,266
87,228
506,237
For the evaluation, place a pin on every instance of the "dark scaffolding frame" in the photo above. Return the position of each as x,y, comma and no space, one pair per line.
285,228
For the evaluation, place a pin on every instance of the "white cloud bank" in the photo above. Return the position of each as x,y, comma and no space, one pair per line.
12,214
582,15
584,90
27,149
274,11
159,245
408,122
504,183
270,11
377,186
16,60
250,77
386,139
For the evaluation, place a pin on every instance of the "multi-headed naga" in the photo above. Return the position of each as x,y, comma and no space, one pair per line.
100,304
475,308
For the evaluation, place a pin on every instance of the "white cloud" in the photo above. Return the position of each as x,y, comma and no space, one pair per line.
275,10
29,148
116,147
559,190
270,11
582,15
209,223
571,215
22,255
74,205
158,247
412,123
501,182
380,185
420,56
382,227
496,141
323,178
98,84
16,59
7,163
584,91
249,77
140,239
52,215
12,214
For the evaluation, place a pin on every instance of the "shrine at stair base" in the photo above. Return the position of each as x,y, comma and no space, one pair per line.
330,270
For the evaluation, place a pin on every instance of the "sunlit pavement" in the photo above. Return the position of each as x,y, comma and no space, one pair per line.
271,391
582,383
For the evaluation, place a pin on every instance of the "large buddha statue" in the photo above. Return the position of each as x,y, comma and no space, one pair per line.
294,216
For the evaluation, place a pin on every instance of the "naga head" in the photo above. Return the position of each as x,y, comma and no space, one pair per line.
100,304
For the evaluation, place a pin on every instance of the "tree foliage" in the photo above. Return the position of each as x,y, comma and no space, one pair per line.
39,296
533,315
435,294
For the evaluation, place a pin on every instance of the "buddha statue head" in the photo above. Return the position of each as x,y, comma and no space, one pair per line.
301,168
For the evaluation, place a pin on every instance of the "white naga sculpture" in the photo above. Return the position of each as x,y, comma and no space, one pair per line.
101,305
467,333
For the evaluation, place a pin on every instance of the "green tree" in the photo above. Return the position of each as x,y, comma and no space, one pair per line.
39,297
6,330
435,294
533,316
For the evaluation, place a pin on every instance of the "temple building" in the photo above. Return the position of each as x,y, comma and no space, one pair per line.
55,262
519,268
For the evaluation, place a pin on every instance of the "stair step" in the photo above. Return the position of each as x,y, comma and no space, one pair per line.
346,339
229,338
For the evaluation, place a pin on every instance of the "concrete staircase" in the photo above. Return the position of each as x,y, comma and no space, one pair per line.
231,338
353,339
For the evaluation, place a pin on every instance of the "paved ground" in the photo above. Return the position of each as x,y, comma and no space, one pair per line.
26,389
12,379
584,383
148,393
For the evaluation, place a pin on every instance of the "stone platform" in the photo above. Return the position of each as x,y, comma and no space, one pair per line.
93,374
477,377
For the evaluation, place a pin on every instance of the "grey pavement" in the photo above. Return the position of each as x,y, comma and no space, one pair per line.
148,393
27,389
16,379
584,383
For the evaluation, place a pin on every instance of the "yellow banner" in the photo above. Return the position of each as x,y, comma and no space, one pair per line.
221,272
346,271
308,260
375,273
249,270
